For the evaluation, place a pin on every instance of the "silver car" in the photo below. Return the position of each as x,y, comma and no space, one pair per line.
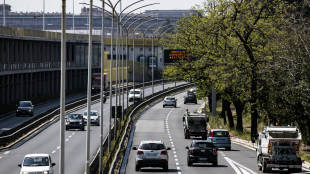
220,138
170,101
152,153
94,117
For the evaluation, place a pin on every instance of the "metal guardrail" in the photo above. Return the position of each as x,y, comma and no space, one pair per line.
11,137
131,130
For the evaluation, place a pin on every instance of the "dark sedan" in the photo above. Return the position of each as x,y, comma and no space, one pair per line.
24,108
202,151
75,121
190,97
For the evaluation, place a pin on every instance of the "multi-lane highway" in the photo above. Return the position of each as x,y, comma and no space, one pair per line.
165,124
75,148
155,123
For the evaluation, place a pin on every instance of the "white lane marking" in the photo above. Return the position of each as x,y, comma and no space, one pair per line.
58,147
70,136
255,150
67,139
245,146
54,151
171,141
7,152
0,157
239,169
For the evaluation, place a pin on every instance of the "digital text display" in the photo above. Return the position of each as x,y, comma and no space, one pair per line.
172,56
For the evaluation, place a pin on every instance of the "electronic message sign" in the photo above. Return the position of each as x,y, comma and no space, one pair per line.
172,56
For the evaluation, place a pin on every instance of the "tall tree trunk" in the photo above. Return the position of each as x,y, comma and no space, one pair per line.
210,103
223,114
239,109
229,114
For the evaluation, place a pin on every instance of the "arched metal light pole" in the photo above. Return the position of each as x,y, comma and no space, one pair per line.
133,45
90,50
43,15
163,49
102,90
144,58
3,12
118,20
62,90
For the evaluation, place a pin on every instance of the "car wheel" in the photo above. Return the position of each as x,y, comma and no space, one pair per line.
215,164
165,168
163,106
264,168
195,102
184,102
259,167
137,168
228,148
67,128
175,106
83,129
189,163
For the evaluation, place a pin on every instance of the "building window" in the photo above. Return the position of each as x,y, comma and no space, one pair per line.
150,49
131,49
141,49
105,49
113,49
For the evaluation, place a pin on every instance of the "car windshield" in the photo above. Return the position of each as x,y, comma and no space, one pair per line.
25,104
204,144
220,134
91,113
136,92
170,98
152,146
36,161
75,116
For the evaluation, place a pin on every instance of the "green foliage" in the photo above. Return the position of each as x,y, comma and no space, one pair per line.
254,52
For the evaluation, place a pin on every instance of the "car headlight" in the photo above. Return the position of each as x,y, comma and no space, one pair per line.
81,122
24,172
29,110
17,110
46,172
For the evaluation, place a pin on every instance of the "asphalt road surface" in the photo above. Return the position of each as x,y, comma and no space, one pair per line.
158,123
48,141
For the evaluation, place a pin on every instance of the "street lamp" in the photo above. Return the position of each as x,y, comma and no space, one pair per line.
3,12
62,90
133,45
90,50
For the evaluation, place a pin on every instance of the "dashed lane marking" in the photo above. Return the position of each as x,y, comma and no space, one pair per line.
7,152
172,144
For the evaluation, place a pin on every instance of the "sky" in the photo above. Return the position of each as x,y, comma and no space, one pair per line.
55,5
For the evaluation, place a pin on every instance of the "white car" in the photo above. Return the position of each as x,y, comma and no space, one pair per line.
137,94
170,101
94,117
152,153
37,163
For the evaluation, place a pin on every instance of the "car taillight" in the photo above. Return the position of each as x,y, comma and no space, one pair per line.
214,151
191,151
211,138
297,147
269,147
228,137
140,152
212,134
163,152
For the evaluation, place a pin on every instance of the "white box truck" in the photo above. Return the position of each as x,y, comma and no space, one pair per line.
278,148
